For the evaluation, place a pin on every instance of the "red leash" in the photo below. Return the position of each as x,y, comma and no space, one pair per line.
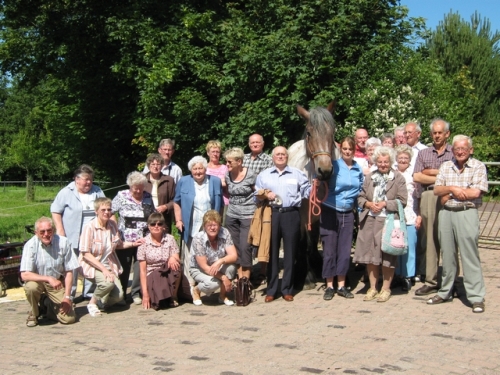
314,202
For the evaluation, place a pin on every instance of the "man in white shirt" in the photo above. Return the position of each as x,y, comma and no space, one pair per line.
166,149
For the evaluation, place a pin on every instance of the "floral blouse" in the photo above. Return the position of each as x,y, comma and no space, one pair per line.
201,247
131,222
157,255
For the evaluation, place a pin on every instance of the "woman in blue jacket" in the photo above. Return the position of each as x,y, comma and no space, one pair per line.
195,194
337,218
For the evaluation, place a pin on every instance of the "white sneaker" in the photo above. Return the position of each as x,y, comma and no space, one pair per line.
226,302
137,300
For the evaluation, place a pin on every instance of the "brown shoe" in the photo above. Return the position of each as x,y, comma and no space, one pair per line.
288,297
426,289
269,299
436,300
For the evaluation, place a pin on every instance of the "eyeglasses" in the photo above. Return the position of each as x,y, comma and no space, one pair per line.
409,133
157,224
230,161
156,165
105,210
461,149
43,231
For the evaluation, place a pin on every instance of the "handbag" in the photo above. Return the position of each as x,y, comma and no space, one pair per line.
394,233
243,292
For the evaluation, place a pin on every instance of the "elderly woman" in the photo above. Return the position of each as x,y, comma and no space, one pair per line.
337,219
195,194
387,140
134,206
407,262
161,187
378,196
213,253
367,165
98,260
240,182
72,208
214,168
160,265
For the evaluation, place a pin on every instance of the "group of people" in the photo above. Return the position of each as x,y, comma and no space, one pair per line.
217,206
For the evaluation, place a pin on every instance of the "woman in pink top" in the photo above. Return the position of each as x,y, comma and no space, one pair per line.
215,168
159,265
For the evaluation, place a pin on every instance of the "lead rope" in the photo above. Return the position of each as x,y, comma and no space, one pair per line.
314,202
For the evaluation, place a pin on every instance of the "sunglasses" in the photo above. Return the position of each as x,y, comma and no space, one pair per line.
105,210
43,231
157,224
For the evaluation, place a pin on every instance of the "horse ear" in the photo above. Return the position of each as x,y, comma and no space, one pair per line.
331,107
304,113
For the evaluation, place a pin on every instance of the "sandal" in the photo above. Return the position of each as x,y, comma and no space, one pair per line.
31,321
93,310
173,303
478,307
437,300
384,295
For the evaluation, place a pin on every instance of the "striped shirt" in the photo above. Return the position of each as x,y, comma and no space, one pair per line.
473,176
101,242
53,260
429,158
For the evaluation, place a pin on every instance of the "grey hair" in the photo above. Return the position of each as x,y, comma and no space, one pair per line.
373,142
404,149
43,219
398,129
235,153
167,142
446,124
417,125
274,149
461,137
197,160
383,151
136,178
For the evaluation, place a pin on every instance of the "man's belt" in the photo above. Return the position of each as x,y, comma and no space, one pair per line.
429,188
458,208
285,209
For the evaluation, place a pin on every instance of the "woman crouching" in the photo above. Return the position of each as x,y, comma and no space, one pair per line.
159,265
213,255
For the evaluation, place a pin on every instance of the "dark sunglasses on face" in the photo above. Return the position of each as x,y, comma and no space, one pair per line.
43,231
157,224
105,210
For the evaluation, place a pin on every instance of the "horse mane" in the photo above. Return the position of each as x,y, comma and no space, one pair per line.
320,118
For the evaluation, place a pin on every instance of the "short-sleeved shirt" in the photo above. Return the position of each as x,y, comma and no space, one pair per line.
101,242
132,221
200,246
219,172
241,195
54,259
428,158
157,255
69,204
291,185
261,162
474,176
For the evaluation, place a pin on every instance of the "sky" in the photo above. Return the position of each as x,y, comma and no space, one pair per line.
434,10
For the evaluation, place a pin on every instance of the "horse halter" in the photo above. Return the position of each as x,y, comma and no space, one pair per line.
317,153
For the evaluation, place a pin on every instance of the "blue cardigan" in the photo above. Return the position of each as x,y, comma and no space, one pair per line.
184,197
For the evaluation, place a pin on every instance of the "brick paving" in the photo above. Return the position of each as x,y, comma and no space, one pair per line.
307,336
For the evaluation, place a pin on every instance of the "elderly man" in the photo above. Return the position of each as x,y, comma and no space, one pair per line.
399,136
256,160
285,187
426,169
460,185
47,267
412,134
360,138
166,149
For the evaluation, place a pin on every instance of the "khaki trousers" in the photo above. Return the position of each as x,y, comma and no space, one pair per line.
34,291
429,242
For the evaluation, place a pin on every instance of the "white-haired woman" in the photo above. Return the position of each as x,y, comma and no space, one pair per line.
407,262
195,194
378,196
134,206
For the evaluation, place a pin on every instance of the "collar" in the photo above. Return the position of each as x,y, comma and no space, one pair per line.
390,175
287,169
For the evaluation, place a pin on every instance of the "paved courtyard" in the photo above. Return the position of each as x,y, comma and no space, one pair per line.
307,336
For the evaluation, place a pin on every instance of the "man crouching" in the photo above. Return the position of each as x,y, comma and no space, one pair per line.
47,267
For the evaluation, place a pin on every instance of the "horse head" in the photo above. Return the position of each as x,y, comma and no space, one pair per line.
319,138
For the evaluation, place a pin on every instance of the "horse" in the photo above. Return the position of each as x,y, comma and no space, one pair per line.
313,155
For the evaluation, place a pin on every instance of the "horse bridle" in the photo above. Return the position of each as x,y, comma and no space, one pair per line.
318,153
